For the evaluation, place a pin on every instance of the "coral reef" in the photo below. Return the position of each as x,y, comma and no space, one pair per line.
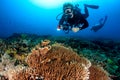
99,53
58,63
6,67
98,73
45,42
6,63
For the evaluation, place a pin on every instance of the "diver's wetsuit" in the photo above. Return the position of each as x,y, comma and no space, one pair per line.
77,19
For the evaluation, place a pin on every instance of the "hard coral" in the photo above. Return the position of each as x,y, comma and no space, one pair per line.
44,50
58,63
98,73
45,42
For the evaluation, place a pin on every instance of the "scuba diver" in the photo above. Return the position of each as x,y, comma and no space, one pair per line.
72,19
101,23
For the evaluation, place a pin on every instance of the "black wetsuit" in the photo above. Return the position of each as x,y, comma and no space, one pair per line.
77,19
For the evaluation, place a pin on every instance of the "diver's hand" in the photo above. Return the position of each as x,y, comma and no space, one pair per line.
75,29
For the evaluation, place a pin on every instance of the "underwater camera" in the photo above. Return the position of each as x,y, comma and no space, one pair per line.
66,28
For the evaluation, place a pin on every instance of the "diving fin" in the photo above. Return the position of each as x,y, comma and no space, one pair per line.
91,6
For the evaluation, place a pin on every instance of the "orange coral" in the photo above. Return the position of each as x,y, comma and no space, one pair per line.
45,42
44,50
21,58
58,63
98,73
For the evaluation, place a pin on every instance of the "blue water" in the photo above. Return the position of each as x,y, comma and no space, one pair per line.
24,16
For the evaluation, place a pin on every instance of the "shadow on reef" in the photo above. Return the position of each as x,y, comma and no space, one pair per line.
105,53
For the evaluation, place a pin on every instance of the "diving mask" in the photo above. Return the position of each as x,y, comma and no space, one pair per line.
68,12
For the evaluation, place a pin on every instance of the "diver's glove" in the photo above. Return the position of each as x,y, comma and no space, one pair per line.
75,29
